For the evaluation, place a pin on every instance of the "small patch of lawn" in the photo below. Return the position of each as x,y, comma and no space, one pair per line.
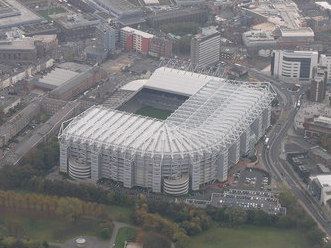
125,234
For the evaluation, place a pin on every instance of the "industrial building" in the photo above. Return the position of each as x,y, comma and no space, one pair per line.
76,84
220,121
293,65
205,47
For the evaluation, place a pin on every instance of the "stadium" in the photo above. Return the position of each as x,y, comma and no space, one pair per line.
205,124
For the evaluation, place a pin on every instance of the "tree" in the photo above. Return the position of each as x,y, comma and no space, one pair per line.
235,216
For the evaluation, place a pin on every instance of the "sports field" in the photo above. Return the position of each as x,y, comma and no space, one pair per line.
152,112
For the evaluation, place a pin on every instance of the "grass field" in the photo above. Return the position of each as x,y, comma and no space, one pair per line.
152,112
124,234
249,237
56,229
51,11
44,227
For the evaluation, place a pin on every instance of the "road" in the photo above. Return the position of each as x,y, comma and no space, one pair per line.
273,156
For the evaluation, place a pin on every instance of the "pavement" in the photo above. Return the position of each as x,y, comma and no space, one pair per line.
274,156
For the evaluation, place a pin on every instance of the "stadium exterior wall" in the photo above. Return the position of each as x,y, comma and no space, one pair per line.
194,146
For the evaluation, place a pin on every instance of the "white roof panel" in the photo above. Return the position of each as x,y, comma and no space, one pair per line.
213,116
177,81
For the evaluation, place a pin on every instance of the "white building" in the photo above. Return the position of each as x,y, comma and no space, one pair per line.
293,65
320,187
325,60
195,145
205,47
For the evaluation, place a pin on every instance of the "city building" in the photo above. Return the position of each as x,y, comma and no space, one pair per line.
325,60
9,103
319,128
135,40
317,90
124,11
291,38
178,15
18,51
293,65
320,187
13,14
161,47
205,47
195,145
75,27
256,40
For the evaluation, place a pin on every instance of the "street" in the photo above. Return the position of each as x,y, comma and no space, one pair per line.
272,156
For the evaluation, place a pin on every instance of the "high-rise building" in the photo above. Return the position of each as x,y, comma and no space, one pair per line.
325,60
135,40
318,84
205,47
293,65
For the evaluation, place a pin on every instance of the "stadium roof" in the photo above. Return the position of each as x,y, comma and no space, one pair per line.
177,81
213,117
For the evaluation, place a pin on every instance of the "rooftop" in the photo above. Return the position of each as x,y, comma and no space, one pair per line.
324,180
211,118
305,31
22,15
57,77
324,5
21,44
138,32
176,81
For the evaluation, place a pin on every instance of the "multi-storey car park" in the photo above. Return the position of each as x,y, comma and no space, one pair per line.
219,122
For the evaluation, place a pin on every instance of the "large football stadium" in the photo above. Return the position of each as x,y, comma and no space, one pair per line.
171,133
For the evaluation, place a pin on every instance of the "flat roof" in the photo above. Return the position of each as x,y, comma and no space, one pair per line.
23,44
324,180
26,16
177,81
297,32
324,5
137,32
135,85
58,77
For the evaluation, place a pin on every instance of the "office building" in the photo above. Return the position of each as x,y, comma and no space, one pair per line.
325,60
293,66
205,47
317,88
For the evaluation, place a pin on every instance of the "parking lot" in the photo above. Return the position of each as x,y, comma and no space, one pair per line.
248,199
251,178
